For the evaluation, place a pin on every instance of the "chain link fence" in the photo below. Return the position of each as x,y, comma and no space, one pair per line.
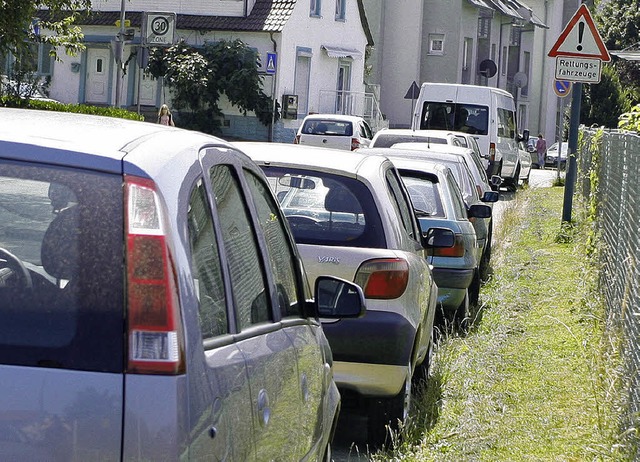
609,175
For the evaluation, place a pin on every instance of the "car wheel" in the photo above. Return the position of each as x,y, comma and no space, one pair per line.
462,316
474,289
421,372
386,415
486,256
512,183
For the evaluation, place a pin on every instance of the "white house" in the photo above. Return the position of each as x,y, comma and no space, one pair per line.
315,48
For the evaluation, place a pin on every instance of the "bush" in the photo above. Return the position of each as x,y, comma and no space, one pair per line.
9,101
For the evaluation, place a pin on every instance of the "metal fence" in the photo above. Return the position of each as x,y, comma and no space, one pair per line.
614,157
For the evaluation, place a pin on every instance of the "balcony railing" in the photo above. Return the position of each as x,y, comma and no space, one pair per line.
363,104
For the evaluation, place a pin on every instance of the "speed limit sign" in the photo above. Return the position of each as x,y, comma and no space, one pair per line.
159,29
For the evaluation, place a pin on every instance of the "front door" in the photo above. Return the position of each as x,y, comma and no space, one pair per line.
343,87
148,89
97,85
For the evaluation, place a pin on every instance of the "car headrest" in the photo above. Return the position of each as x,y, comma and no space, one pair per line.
60,247
340,199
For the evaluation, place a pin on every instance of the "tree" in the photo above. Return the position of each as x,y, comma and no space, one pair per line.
198,77
604,101
20,25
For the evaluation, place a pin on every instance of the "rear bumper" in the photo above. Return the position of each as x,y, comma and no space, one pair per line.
453,278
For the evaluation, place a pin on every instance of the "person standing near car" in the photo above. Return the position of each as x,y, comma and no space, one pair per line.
165,117
541,149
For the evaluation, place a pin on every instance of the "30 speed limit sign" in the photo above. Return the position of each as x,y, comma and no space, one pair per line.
159,29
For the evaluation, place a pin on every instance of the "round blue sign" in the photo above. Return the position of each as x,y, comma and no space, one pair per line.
562,88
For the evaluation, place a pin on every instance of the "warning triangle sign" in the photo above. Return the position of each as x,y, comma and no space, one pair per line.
580,38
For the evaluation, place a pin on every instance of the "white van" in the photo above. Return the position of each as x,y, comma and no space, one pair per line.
486,112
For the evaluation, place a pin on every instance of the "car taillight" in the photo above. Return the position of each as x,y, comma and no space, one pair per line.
492,151
456,251
384,278
296,140
355,144
156,342
480,191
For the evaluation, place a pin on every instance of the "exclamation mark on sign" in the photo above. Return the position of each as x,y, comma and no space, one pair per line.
580,34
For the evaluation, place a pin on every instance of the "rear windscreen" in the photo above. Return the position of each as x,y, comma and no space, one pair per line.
327,209
386,141
327,127
468,118
61,268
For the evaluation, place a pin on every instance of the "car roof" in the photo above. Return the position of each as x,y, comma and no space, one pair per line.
411,153
314,157
89,141
439,148
412,163
349,118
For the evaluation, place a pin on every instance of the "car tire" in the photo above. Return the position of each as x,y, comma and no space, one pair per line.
387,414
421,372
512,183
474,289
462,316
486,255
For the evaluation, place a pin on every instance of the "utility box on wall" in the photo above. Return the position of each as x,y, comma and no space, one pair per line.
289,106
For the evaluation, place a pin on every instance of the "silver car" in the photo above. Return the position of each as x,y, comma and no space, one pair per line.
438,202
352,217
153,305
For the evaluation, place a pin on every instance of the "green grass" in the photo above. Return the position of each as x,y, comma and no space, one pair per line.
538,377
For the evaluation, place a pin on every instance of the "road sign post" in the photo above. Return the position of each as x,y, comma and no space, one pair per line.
579,52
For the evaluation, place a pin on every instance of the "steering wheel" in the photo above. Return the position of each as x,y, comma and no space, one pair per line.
9,260
301,220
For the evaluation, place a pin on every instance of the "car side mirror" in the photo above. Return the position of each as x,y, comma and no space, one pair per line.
490,196
525,136
479,211
495,181
338,298
438,237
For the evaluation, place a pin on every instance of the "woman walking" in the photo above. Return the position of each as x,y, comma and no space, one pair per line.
165,117
541,149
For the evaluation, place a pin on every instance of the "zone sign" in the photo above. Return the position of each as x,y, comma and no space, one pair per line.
159,29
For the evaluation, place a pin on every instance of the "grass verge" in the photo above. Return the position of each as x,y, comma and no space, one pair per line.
539,377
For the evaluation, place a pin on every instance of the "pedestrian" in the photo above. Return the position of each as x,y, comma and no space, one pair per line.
541,149
165,117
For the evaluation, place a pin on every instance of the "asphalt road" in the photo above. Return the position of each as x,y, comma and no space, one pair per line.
350,442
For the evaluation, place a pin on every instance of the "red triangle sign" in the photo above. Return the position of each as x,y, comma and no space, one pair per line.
580,38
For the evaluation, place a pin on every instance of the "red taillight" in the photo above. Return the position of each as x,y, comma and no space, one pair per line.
480,191
156,343
296,140
355,144
384,278
456,251
492,151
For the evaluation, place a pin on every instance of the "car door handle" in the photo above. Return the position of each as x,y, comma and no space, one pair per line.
264,411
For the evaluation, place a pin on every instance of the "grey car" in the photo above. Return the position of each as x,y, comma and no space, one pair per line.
351,216
153,305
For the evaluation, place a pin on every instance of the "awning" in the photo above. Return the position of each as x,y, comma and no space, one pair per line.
339,52
628,55
511,8
481,4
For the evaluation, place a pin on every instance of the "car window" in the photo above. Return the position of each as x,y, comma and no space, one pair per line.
386,141
399,201
367,130
281,255
425,195
506,123
206,268
326,209
459,208
327,127
61,268
241,249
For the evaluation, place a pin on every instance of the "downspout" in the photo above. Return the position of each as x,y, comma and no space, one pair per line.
273,90
544,66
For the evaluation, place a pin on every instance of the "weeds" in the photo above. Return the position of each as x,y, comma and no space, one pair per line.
539,375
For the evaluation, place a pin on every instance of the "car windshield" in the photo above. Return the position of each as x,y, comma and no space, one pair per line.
327,209
468,118
61,268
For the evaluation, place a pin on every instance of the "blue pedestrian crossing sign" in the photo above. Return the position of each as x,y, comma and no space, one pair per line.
272,63
562,88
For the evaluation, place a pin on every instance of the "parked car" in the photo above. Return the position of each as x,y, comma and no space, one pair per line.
153,305
351,215
334,131
387,137
552,155
438,202
525,163
23,90
467,176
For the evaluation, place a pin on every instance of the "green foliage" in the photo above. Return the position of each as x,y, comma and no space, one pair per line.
12,101
198,77
603,101
57,29
630,120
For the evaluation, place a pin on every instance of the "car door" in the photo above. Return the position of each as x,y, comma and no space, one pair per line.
304,332
267,349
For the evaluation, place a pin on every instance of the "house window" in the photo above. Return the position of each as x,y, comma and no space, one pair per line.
436,44
467,52
503,61
526,65
36,59
302,77
484,28
340,9
315,8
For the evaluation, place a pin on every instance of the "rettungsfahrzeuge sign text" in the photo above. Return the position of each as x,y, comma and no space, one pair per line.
586,70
